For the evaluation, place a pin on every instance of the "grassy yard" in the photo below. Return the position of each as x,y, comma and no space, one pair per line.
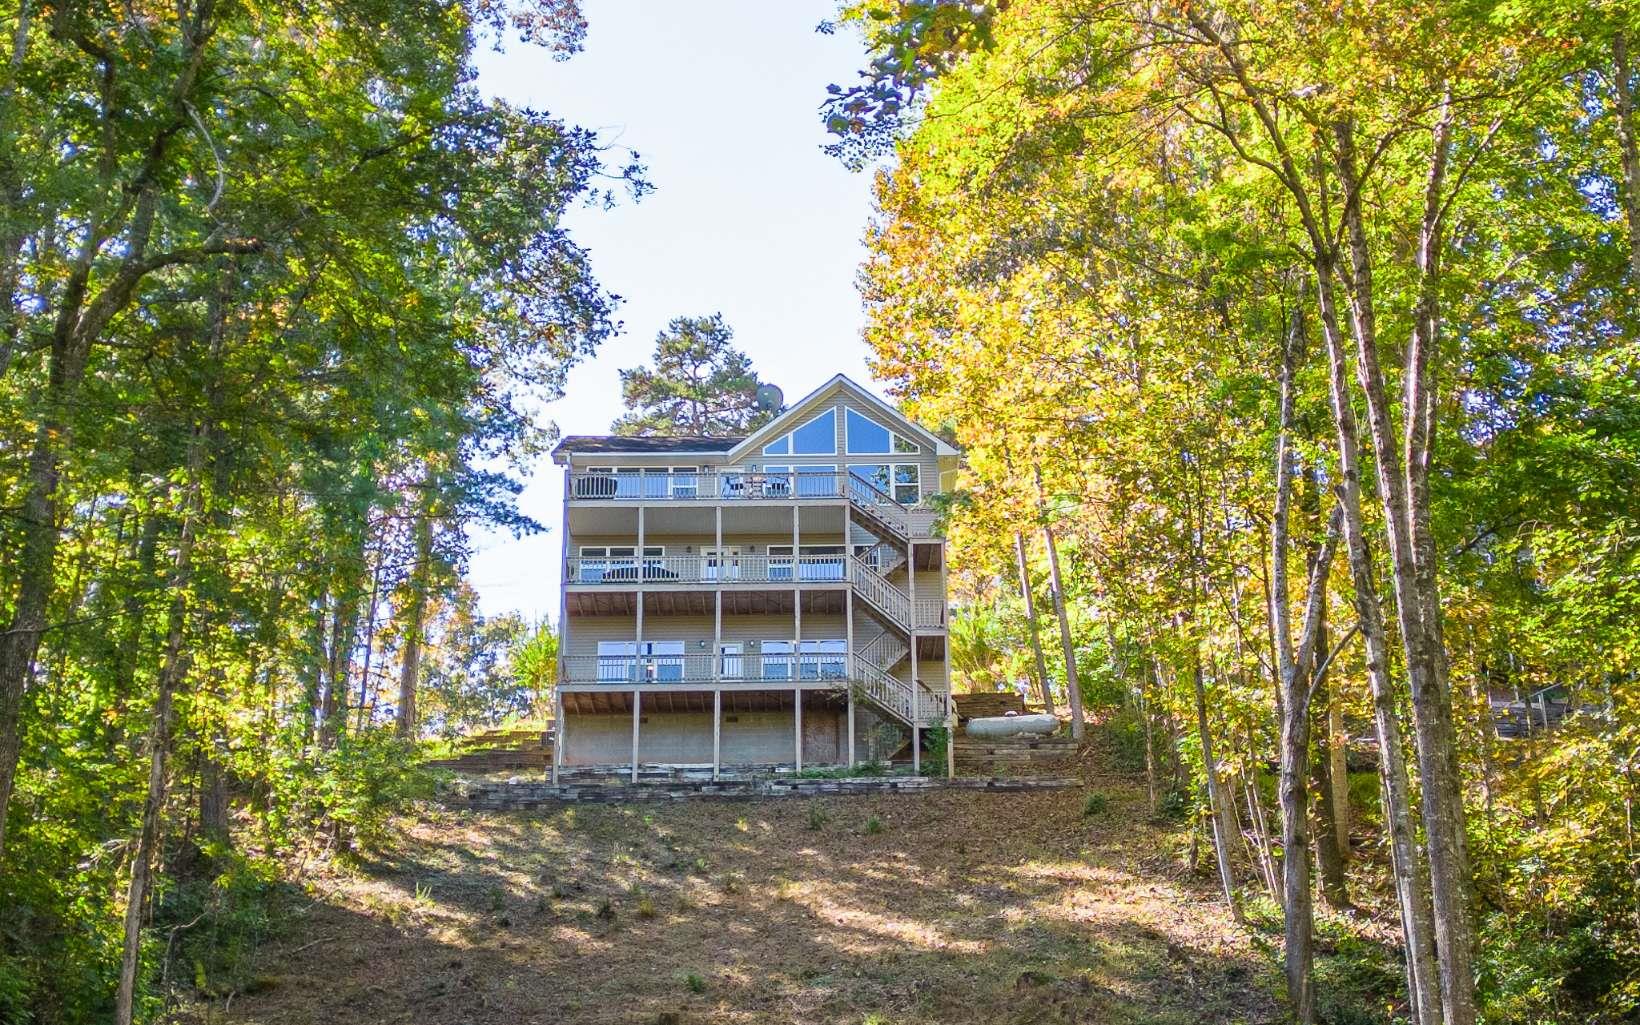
945,907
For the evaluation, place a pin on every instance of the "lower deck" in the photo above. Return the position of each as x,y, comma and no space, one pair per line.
723,729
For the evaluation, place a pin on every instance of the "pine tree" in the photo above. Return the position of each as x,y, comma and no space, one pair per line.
700,384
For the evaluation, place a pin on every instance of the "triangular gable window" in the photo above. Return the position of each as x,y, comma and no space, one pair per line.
818,437
868,437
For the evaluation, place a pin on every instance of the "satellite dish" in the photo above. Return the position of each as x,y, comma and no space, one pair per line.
769,398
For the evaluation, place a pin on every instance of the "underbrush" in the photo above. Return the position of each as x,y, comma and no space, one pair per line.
1358,979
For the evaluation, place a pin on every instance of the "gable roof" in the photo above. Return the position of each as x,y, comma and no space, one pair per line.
839,383
583,444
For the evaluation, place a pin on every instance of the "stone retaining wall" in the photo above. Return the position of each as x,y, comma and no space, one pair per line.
525,796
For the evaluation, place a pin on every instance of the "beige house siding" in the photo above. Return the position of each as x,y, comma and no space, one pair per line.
685,738
681,525
586,631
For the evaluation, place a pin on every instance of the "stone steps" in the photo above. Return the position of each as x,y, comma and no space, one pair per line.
1017,755
528,796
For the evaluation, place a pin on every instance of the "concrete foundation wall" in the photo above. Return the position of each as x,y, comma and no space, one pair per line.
685,738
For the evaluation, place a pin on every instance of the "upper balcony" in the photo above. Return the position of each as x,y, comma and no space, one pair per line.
801,485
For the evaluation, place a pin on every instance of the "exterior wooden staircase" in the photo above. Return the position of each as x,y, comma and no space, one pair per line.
500,751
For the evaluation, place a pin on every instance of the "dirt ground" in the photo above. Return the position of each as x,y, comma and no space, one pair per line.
938,907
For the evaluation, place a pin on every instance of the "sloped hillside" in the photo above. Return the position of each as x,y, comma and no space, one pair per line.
940,907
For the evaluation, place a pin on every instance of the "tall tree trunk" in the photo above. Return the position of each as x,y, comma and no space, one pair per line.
1043,692
344,635
172,670
1073,686
1338,773
1417,925
416,618
1223,827
84,305
370,640
1402,485
1329,859
1623,90
1150,731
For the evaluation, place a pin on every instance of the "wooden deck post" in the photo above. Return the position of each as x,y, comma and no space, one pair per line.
916,750
797,717
717,733
848,628
557,733
637,700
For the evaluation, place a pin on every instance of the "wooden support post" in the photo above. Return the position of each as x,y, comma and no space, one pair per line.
637,700
557,733
717,631
797,595
916,751
848,659
797,718
851,725
717,733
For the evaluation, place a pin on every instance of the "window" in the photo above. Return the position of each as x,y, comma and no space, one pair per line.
631,662
734,662
663,661
907,483
868,437
604,482
723,563
777,660
780,562
783,480
670,481
814,562
874,474
617,661
822,660
600,563
818,437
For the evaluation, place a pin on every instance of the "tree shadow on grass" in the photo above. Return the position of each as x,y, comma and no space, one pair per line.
961,907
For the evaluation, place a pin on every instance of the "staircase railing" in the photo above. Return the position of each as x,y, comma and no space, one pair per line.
884,557
885,651
884,596
885,691
879,505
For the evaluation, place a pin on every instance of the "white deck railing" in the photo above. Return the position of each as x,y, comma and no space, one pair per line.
704,569
619,670
643,485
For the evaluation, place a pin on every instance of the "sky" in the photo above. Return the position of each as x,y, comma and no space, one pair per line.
748,217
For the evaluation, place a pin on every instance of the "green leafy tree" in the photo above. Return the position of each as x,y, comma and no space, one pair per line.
699,384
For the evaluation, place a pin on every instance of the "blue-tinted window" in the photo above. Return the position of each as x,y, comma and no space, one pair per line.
867,436
818,437
779,448
875,474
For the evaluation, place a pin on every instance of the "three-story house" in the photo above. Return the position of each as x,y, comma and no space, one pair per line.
768,602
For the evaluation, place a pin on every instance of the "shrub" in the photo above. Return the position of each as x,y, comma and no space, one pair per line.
220,922
1094,803
695,983
1126,730
874,825
939,744
351,790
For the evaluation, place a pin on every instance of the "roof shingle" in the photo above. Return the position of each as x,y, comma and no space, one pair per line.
584,443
